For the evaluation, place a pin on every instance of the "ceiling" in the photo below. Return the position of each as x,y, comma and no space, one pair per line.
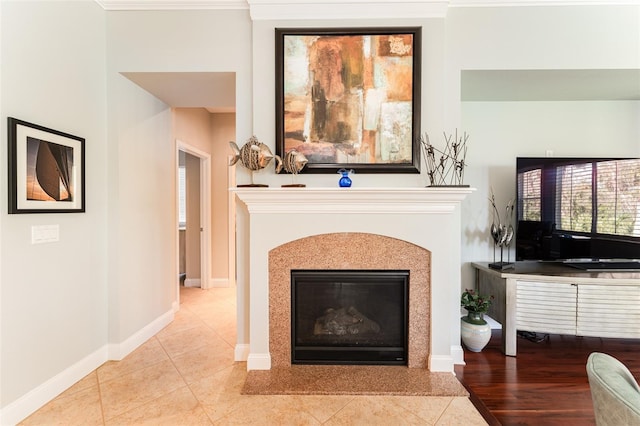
214,91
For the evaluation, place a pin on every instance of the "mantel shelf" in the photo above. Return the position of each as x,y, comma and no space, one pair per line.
355,200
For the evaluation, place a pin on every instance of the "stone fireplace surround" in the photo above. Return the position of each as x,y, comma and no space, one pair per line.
268,218
348,250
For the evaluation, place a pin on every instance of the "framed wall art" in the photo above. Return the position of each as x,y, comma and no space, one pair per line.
46,170
349,98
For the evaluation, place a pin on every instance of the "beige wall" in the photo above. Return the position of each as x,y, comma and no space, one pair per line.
223,130
192,233
210,133
182,251
192,126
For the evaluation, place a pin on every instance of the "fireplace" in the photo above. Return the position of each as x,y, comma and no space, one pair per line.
284,229
349,317
349,251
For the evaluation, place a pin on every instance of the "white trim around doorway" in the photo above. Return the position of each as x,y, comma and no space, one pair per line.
205,212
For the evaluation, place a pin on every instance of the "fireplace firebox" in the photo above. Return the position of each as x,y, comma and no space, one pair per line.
349,317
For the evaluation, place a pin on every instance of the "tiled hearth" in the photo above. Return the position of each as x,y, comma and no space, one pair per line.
358,228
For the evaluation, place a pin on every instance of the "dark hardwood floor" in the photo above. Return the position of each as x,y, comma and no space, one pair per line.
545,384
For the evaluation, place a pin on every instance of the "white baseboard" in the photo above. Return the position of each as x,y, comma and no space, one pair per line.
495,325
441,363
192,282
241,352
117,351
219,282
457,353
259,362
20,409
26,405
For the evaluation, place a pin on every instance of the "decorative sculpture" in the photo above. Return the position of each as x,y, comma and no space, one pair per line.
254,155
448,168
502,233
293,163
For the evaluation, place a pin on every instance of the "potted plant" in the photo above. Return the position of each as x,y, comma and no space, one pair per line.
476,305
475,332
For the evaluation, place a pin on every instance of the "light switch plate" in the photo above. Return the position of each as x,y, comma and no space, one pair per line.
45,234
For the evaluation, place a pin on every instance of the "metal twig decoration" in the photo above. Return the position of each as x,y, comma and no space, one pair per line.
445,167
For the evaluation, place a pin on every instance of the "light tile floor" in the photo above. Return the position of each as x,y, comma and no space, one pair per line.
185,375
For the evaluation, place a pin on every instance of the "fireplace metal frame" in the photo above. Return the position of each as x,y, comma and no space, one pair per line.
349,354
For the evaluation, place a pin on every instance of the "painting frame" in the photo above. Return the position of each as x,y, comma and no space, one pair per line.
383,135
46,169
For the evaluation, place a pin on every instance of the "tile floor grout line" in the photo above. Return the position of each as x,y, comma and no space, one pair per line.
444,411
188,386
120,375
104,419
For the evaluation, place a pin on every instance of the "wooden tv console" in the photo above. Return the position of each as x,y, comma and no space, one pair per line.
549,297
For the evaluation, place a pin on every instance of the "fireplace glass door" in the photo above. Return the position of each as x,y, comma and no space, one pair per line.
349,317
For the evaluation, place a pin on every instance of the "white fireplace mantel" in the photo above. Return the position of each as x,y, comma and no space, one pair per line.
427,217
352,200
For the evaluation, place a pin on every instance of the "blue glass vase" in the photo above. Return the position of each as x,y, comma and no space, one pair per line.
345,180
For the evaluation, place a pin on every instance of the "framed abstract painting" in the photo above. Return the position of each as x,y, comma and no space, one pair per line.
349,98
46,170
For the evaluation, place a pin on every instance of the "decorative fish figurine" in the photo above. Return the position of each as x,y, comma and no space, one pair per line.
254,155
294,161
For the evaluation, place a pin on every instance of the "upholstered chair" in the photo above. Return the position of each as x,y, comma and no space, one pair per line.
614,390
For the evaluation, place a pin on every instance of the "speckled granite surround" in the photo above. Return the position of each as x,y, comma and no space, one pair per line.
349,250
351,380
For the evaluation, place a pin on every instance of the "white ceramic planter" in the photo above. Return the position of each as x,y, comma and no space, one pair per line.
474,336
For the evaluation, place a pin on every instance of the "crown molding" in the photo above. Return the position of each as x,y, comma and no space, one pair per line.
172,4
516,3
350,9
342,9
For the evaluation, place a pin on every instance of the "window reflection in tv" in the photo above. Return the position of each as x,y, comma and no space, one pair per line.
578,208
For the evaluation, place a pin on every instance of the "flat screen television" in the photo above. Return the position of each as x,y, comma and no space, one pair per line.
582,211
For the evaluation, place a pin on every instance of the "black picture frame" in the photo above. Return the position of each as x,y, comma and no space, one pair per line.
362,109
46,169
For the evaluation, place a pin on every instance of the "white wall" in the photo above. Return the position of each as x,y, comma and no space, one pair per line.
53,297
537,38
179,41
60,68
264,96
142,234
503,131
488,38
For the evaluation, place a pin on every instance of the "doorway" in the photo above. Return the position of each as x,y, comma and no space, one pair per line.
215,93
194,211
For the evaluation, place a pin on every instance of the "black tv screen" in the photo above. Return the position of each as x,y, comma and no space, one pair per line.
577,208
